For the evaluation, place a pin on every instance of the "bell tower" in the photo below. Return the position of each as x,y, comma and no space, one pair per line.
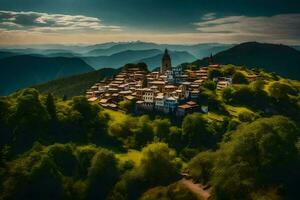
166,62
211,60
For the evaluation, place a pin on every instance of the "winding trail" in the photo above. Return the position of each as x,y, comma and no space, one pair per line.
197,189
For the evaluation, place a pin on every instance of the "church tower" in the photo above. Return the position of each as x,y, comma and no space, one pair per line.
211,60
166,62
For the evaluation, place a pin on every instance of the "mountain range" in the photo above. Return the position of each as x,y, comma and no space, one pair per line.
152,57
36,65
107,49
23,66
197,50
116,54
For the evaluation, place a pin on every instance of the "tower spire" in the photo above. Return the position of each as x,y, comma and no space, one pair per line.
211,59
166,62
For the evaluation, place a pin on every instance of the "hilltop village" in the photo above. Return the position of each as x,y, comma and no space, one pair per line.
171,90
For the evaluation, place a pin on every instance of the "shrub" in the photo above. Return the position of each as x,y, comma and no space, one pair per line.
228,70
200,167
211,85
197,131
64,158
102,174
161,128
239,78
280,91
227,94
246,116
159,166
176,191
214,73
127,105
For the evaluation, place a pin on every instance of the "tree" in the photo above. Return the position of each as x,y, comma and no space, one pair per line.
280,91
50,106
257,85
84,156
200,167
175,139
102,174
29,121
127,105
85,121
211,85
161,128
122,129
246,116
143,132
54,125
159,166
176,191
228,70
209,98
258,155
214,73
227,94
36,169
5,133
252,96
239,78
87,111
260,98
243,95
197,131
62,155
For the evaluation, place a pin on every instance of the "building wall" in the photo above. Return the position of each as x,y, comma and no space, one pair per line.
149,97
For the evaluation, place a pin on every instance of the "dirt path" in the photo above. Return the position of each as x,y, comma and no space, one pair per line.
196,189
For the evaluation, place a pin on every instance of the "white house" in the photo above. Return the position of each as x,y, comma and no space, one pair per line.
148,96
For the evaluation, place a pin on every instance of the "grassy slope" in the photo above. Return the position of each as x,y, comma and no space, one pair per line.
75,85
115,115
235,110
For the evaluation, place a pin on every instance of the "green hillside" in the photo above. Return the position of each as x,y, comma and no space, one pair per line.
75,85
245,147
281,59
22,71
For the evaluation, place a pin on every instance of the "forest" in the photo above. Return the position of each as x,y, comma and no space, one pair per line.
246,147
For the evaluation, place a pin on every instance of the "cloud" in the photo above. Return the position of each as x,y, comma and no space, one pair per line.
208,16
44,22
34,27
277,27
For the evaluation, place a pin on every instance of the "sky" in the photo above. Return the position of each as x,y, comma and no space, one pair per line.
160,21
